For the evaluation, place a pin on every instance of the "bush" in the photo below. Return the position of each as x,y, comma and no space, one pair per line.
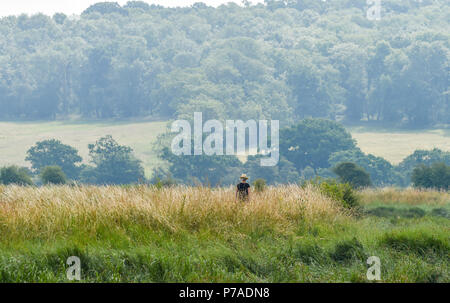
353,174
341,192
435,176
15,175
259,184
53,175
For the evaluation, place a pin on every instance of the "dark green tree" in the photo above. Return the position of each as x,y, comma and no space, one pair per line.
381,172
113,163
202,169
425,157
53,175
312,141
15,175
353,174
54,153
436,176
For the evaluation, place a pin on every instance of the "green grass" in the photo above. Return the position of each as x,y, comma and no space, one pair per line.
17,137
122,248
414,251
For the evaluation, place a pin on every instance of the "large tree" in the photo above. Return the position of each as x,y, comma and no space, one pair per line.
113,164
54,153
311,142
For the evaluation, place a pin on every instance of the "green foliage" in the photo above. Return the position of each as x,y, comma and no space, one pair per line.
341,192
259,185
15,175
207,170
106,8
351,173
425,157
54,153
283,173
312,141
53,175
249,62
113,164
435,176
381,172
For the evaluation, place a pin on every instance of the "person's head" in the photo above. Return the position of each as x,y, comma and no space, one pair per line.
244,178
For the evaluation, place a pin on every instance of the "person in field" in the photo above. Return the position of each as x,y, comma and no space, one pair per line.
243,189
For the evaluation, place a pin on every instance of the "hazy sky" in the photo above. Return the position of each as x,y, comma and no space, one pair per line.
49,7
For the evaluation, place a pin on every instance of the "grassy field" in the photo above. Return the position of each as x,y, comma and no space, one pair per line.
186,234
16,138
395,145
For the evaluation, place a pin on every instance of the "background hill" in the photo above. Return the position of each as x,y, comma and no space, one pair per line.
285,60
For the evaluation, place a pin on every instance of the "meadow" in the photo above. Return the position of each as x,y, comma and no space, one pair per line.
197,234
17,137
396,144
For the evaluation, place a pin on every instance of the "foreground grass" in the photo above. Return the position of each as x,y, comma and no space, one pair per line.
183,234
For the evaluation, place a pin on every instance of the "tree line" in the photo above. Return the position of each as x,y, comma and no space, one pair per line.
284,60
309,149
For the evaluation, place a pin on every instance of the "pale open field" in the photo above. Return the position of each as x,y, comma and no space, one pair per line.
17,137
395,145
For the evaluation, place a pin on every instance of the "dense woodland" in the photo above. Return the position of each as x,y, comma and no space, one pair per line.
283,60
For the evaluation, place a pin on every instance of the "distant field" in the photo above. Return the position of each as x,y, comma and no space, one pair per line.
395,145
17,137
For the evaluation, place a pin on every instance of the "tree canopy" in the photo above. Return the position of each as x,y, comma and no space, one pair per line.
54,153
284,60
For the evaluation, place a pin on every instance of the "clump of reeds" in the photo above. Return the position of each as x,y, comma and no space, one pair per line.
61,210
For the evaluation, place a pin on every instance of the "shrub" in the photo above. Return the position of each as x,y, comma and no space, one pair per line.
15,175
341,192
353,174
53,175
259,184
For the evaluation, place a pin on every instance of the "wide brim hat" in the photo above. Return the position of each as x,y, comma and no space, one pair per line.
244,176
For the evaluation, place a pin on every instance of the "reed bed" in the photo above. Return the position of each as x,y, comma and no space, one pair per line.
198,234
50,211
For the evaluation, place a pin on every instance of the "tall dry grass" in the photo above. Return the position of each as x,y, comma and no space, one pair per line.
411,196
50,211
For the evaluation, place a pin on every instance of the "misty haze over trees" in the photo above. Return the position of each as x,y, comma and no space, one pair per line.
285,60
